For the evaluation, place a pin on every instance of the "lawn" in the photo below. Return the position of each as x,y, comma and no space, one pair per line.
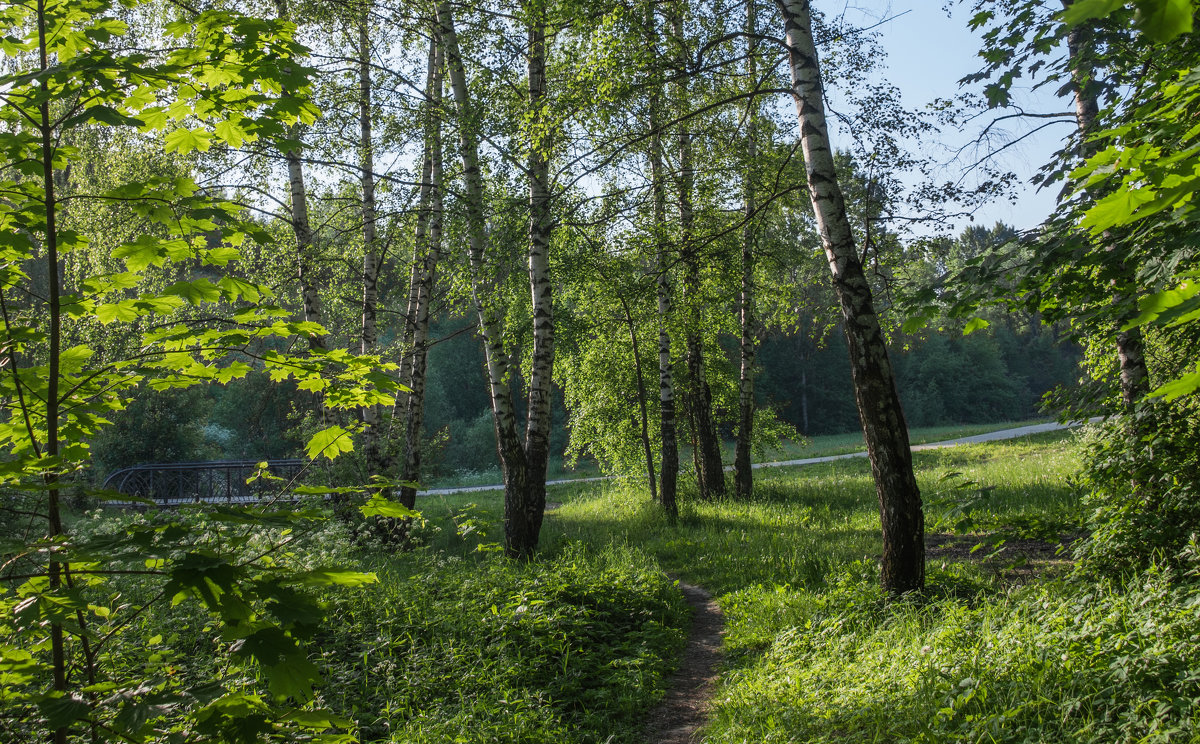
1008,643
821,446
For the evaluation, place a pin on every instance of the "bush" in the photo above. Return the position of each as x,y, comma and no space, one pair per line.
1143,481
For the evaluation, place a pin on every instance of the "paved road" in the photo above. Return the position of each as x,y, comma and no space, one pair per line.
1021,431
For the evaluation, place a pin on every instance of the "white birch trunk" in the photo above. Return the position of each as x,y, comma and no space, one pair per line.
903,563
374,446
305,248
669,459
743,474
524,522
512,452
710,474
427,253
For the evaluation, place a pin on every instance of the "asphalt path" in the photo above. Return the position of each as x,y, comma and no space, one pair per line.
992,436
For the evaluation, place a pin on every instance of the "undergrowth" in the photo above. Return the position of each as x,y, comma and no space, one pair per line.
447,645
1063,661
455,644
454,649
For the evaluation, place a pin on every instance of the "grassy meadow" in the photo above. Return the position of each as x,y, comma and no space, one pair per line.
788,449
1009,644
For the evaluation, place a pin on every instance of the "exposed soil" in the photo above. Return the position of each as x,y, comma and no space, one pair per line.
1018,558
678,718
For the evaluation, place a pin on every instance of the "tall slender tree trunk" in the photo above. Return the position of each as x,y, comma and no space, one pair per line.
524,517
669,457
903,563
707,453
55,569
372,255
1131,356
374,449
743,474
667,427
426,254
523,465
301,228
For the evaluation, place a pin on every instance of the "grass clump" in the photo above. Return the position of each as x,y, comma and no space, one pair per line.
448,648
1063,661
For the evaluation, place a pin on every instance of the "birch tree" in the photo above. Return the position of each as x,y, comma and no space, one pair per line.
743,475
903,562
427,249
523,459
710,475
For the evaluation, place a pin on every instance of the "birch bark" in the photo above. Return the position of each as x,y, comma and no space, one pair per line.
669,459
374,449
523,464
301,228
709,472
901,515
426,254
743,474
525,520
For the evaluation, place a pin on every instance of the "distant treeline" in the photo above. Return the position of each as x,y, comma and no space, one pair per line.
998,374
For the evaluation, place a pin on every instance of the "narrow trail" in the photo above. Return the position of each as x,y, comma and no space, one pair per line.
678,718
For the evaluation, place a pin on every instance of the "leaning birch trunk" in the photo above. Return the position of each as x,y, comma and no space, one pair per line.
903,563
424,216
302,229
644,421
512,453
1130,352
374,448
743,474
709,473
669,460
428,251
523,517
421,238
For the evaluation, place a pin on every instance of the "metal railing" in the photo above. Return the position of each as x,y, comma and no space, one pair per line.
215,482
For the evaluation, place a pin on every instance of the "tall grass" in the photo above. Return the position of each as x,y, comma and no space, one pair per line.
815,653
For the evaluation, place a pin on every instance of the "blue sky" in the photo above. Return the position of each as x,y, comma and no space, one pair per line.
928,52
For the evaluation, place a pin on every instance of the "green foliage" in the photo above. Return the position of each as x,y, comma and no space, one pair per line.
569,649
69,619
1161,20
1059,661
1143,489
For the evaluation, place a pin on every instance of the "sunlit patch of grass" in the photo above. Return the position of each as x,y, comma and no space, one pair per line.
837,444
1055,661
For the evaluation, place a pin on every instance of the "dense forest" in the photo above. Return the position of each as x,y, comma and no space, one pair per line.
392,242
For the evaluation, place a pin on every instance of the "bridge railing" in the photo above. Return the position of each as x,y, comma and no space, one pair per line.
218,481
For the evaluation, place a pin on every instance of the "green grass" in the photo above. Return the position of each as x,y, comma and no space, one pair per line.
840,444
815,653
457,644
481,649
807,521
821,446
